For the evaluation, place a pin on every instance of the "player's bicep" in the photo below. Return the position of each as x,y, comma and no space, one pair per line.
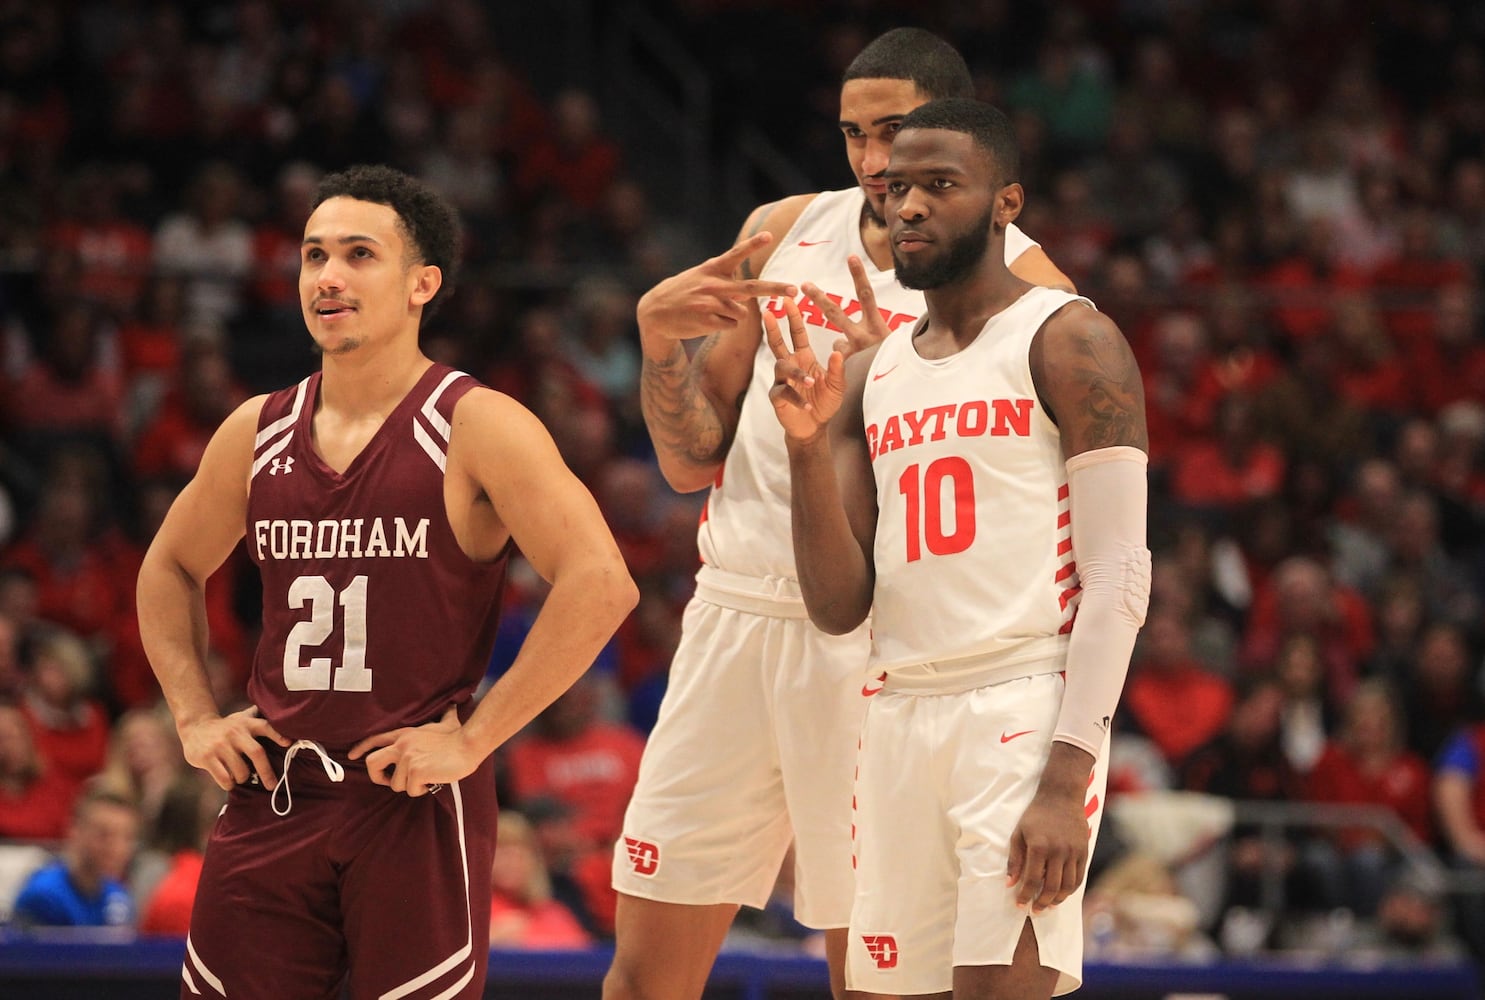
1089,380
514,462
208,517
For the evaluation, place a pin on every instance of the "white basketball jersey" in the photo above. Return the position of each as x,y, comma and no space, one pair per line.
745,525
974,544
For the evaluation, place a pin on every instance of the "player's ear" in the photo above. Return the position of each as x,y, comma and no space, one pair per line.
428,279
1008,202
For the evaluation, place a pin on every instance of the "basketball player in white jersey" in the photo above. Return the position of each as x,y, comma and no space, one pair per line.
756,741
982,496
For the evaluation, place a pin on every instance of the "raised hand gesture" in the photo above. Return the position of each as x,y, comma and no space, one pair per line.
805,395
856,335
708,297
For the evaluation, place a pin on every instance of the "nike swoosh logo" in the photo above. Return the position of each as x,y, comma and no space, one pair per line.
813,243
1006,738
882,375
867,690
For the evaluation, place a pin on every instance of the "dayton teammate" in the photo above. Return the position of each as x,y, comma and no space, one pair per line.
983,484
756,740
380,498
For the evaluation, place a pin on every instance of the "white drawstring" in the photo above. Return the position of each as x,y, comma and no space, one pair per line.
333,771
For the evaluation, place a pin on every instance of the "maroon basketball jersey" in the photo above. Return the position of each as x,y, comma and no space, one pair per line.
373,616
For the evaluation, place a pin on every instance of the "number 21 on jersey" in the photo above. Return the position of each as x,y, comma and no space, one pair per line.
317,674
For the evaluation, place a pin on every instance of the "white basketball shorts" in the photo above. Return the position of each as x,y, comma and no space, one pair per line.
943,783
755,746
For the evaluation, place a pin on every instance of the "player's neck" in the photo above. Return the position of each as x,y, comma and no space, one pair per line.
958,312
371,380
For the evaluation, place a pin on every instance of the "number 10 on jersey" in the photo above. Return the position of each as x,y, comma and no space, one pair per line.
924,491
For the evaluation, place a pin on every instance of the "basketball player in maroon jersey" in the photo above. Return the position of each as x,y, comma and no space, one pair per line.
380,498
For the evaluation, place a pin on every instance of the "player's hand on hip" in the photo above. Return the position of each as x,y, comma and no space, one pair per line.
805,395
708,297
856,334
227,747
1049,851
418,759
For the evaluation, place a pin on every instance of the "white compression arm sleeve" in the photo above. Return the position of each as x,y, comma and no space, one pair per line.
1108,494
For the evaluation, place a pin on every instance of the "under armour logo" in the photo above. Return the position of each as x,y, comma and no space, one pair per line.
643,855
882,948
284,465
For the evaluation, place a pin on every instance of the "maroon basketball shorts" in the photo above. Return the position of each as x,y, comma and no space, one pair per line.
352,879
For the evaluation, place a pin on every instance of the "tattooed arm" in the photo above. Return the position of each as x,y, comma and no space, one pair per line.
1088,380
1086,376
692,400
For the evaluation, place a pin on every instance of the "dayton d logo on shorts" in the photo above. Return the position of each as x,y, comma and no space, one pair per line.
643,855
882,948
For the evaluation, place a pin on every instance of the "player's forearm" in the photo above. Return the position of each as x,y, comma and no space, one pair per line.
689,436
173,631
835,577
584,608
1065,775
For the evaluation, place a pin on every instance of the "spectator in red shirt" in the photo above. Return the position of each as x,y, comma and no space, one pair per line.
83,574
523,913
1367,764
190,807
1247,761
577,163
1175,414
205,392
1172,697
112,252
1301,598
1369,374
35,803
579,759
1240,358
70,727
71,388
1231,468
1449,366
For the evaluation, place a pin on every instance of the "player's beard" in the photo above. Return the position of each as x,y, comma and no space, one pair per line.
346,346
964,255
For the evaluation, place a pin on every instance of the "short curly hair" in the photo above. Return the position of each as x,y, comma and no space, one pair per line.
429,224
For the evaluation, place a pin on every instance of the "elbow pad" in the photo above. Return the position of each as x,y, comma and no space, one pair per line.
1108,497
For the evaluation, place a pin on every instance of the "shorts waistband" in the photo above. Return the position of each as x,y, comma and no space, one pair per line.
771,596
1040,656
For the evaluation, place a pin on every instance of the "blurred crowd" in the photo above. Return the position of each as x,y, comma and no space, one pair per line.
1281,203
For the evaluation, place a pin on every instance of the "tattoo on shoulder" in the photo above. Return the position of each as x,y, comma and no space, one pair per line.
1114,396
